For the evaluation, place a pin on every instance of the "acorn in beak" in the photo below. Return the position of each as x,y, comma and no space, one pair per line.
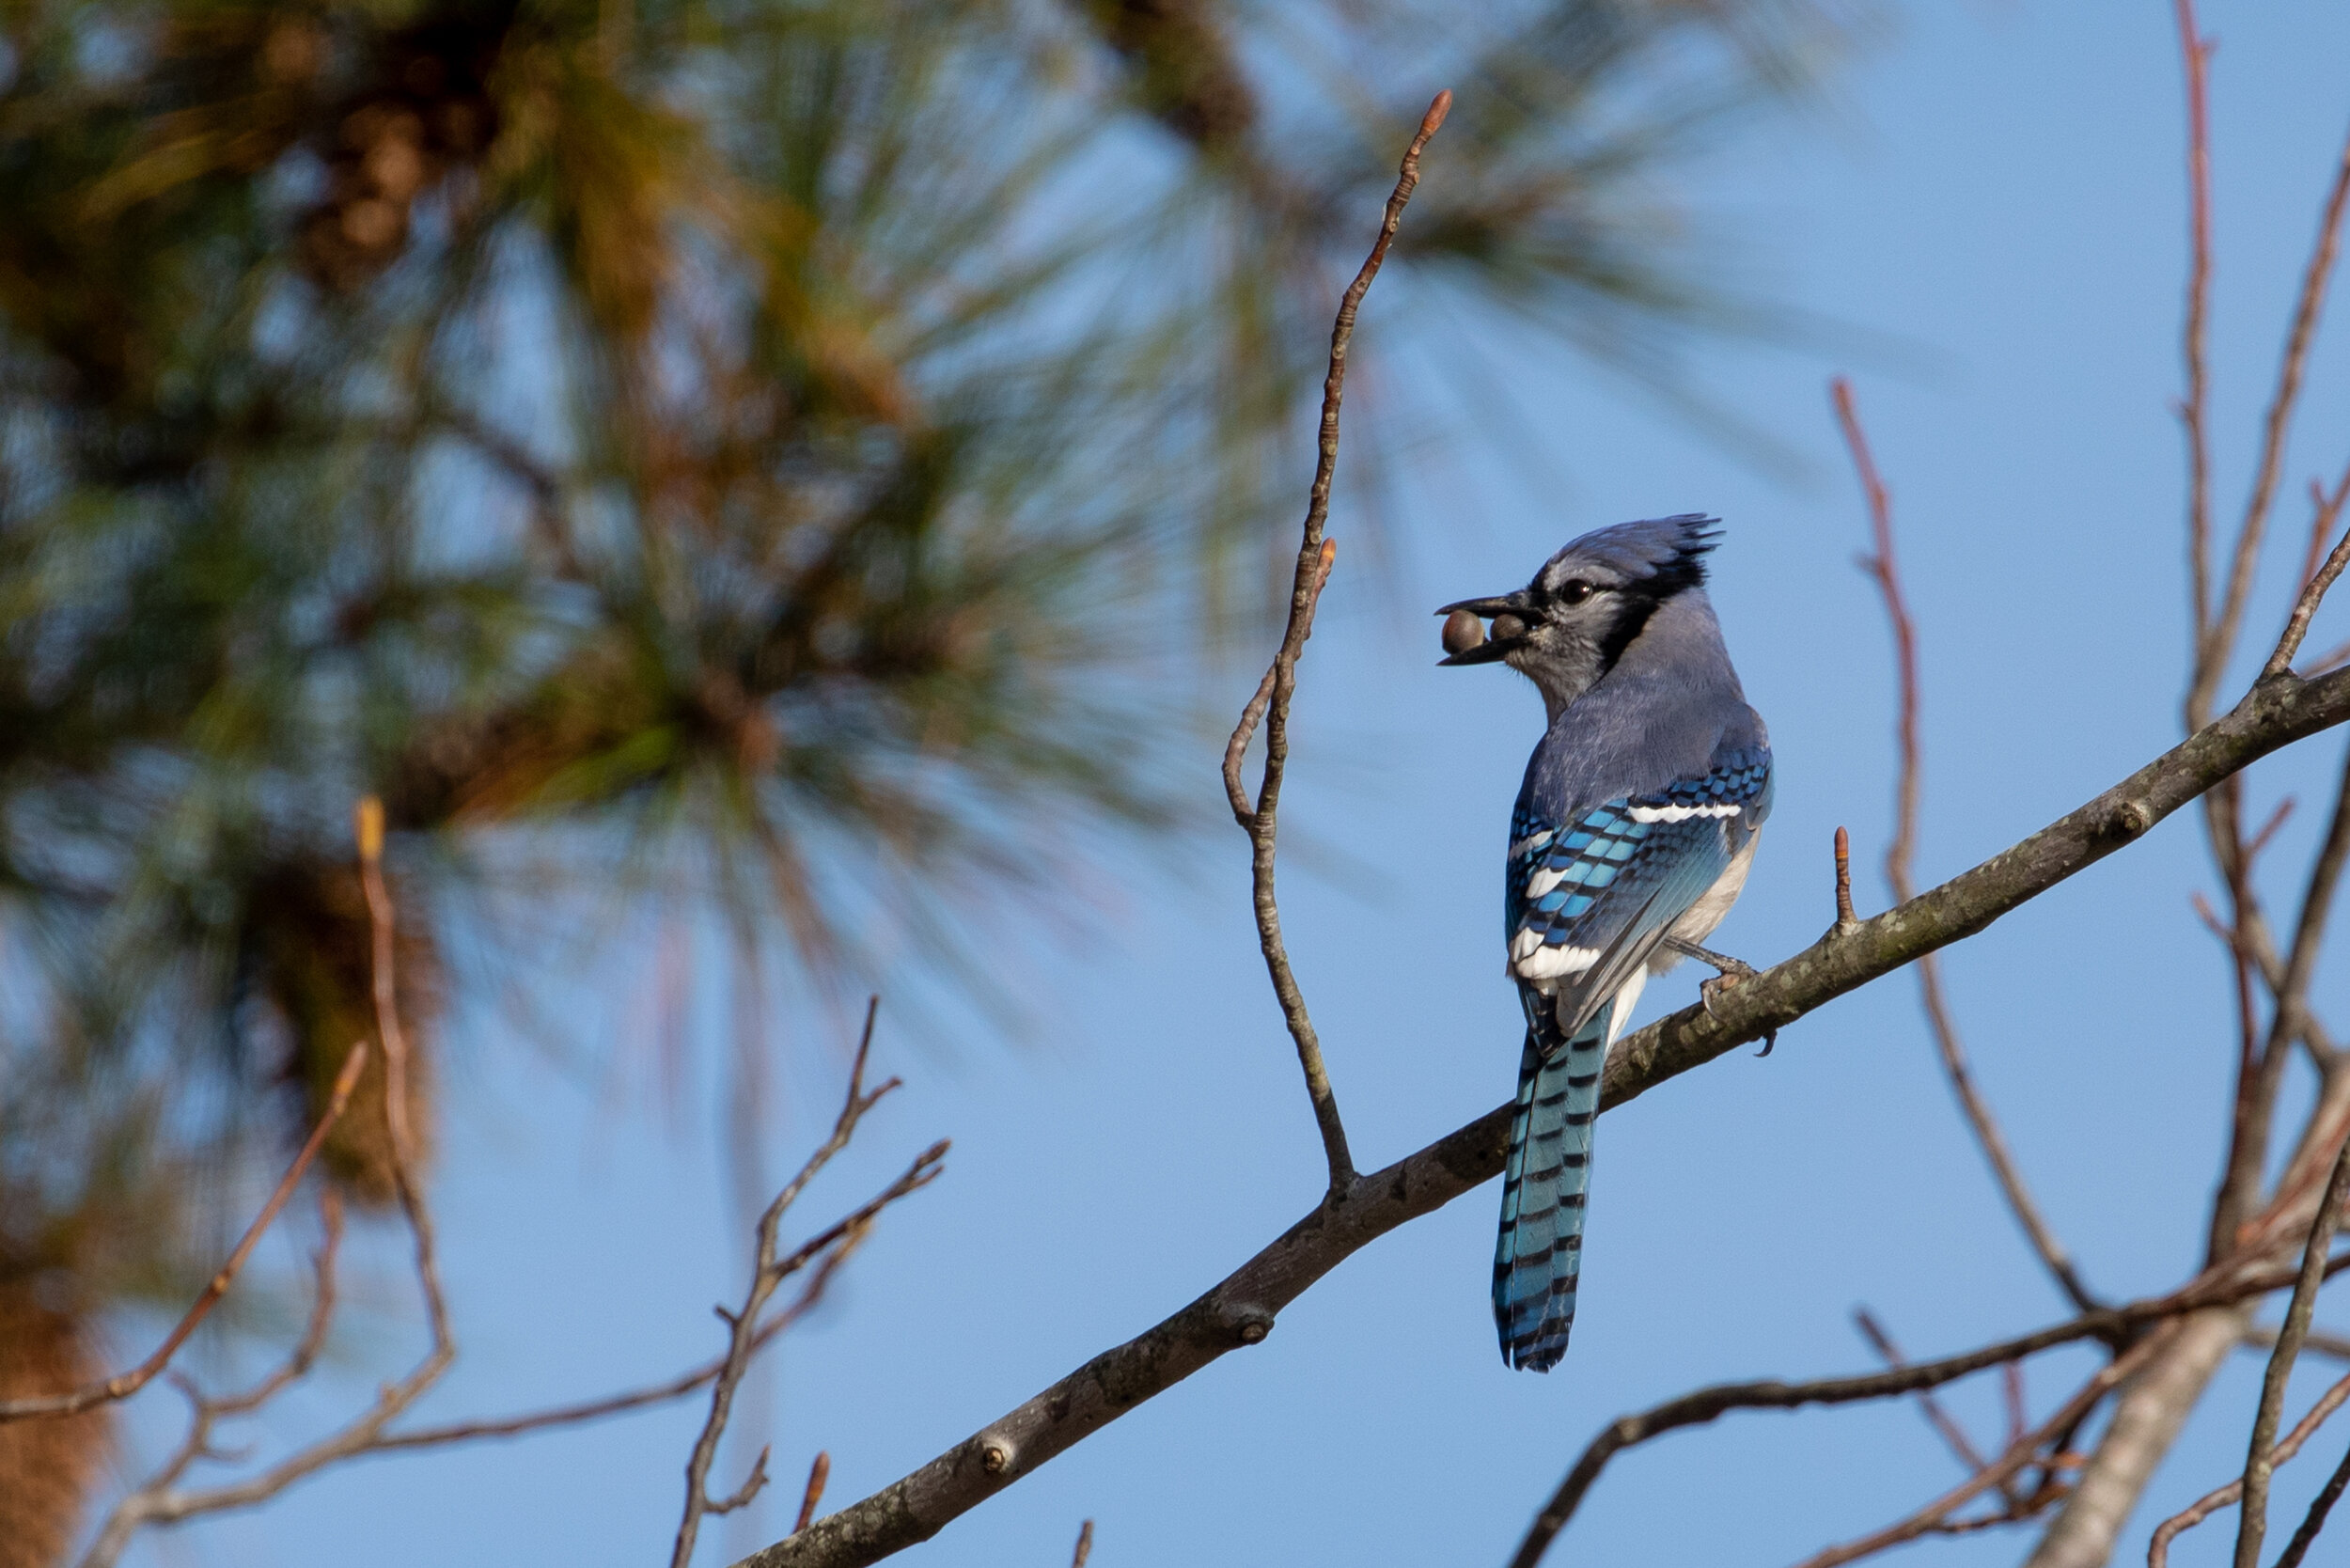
1467,638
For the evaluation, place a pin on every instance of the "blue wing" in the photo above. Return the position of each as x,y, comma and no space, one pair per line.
1589,901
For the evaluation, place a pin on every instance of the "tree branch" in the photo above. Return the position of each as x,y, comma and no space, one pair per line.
2158,1548
1270,703
1240,1309
123,1385
160,1499
2253,1522
2220,643
2195,53
1932,1517
769,1270
2315,1520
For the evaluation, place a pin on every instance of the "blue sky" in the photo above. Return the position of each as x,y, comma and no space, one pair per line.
1996,186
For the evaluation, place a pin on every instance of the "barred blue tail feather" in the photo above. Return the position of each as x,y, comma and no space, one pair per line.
1540,1256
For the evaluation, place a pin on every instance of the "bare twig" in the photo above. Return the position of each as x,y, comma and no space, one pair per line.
2158,1548
620,1403
2260,840
2263,1066
1941,1419
2315,1342
2195,52
2258,1080
1932,1517
1707,1405
1085,1546
2320,1505
2278,422
1270,703
769,1270
2117,1326
818,1473
2316,578
2258,1464
160,1500
123,1385
1900,852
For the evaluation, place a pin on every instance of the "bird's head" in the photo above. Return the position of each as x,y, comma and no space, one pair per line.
1568,627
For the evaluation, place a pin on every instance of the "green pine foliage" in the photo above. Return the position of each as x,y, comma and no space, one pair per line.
799,436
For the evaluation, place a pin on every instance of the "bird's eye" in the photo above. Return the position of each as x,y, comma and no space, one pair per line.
1573,591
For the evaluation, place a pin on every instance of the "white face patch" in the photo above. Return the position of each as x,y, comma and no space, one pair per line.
1549,963
1681,813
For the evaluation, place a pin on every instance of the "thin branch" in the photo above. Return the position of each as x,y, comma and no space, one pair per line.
2315,1520
2115,1326
2270,965
123,1385
1270,703
1941,1419
160,1500
1900,853
2268,829
2195,53
2158,1548
622,1404
2315,1342
2253,1522
2266,1066
769,1270
1930,1518
1085,1546
2315,579
1240,1309
2279,423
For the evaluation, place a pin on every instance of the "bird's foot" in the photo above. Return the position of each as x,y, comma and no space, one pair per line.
1731,970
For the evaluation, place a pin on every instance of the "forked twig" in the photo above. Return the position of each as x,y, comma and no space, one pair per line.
1933,1517
123,1385
1270,703
770,1269
622,1404
160,1499
2158,1548
1943,1423
1707,1405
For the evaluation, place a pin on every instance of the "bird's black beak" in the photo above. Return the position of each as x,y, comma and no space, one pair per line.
1467,641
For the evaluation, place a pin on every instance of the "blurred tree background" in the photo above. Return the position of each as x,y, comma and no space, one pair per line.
798,446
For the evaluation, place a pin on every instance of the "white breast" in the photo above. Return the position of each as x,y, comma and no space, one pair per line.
1711,906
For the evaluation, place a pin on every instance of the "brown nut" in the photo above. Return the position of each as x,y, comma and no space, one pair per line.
1463,631
1508,626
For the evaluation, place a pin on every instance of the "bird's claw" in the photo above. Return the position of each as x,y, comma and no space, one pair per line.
1733,970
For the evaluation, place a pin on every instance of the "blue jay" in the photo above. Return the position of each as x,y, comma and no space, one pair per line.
1631,837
